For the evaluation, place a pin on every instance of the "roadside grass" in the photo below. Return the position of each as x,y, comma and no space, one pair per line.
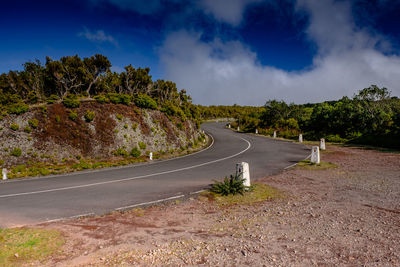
257,193
324,165
22,245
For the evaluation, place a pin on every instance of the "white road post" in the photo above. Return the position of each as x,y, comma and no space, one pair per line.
274,134
238,129
315,155
4,172
300,138
151,155
243,168
322,144
229,126
256,131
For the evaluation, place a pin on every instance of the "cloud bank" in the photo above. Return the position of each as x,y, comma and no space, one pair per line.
98,36
228,72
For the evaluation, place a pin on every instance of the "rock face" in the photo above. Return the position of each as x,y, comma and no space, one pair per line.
56,133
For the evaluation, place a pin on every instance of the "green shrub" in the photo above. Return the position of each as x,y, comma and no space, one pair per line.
89,115
101,99
73,115
171,110
121,152
14,127
179,125
44,109
52,99
233,185
126,126
119,98
135,152
119,117
145,101
142,145
71,102
58,119
152,129
34,123
18,108
134,126
16,152
27,129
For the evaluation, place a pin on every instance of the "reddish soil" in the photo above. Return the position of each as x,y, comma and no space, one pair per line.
345,216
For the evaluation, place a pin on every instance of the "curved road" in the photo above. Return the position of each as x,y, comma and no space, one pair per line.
35,200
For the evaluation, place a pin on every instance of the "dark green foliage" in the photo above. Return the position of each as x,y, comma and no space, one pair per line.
18,108
14,127
27,129
142,145
89,115
145,101
73,115
121,152
52,99
119,98
179,125
16,152
170,109
71,102
135,152
102,99
230,186
33,123
58,118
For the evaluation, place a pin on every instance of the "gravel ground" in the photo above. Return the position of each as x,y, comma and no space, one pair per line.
344,216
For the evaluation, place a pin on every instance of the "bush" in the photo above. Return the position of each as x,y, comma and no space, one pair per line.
18,108
119,98
52,99
179,125
16,152
119,117
126,126
134,126
27,129
101,99
142,145
71,102
233,185
58,118
89,115
172,110
32,97
145,101
121,152
34,123
73,115
14,127
135,152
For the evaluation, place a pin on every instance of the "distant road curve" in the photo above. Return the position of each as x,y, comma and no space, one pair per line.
29,201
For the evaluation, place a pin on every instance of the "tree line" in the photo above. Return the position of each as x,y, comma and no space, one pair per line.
371,117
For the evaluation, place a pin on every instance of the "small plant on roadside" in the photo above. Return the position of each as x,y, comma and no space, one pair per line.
71,102
33,123
126,126
121,152
134,126
58,118
18,108
16,152
230,186
135,152
27,129
119,117
101,99
14,127
52,99
89,115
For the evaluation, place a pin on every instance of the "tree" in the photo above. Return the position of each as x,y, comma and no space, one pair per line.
35,75
95,66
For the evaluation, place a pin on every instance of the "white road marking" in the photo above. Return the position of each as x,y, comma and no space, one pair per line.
197,192
131,178
150,202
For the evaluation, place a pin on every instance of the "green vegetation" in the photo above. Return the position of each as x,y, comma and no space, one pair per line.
71,101
73,115
142,145
34,123
371,117
135,152
145,101
21,245
16,152
121,152
232,185
257,193
14,127
119,117
89,115
18,108
27,129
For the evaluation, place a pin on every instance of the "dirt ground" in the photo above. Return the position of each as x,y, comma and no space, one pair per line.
344,216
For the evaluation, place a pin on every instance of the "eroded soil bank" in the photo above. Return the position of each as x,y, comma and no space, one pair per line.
344,216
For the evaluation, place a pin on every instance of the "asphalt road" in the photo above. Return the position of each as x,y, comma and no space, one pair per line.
34,200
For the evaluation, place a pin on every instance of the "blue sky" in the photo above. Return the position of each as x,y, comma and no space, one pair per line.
238,51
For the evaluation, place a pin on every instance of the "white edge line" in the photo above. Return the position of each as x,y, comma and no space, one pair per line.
131,178
148,203
133,165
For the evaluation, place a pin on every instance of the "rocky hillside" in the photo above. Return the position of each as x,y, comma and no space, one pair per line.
93,131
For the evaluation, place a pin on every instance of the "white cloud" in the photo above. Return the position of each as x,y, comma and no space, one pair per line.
229,11
98,36
220,72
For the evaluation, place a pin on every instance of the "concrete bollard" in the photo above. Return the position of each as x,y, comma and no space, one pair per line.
243,168
151,156
229,126
238,129
274,134
4,172
315,155
300,138
256,131
322,144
